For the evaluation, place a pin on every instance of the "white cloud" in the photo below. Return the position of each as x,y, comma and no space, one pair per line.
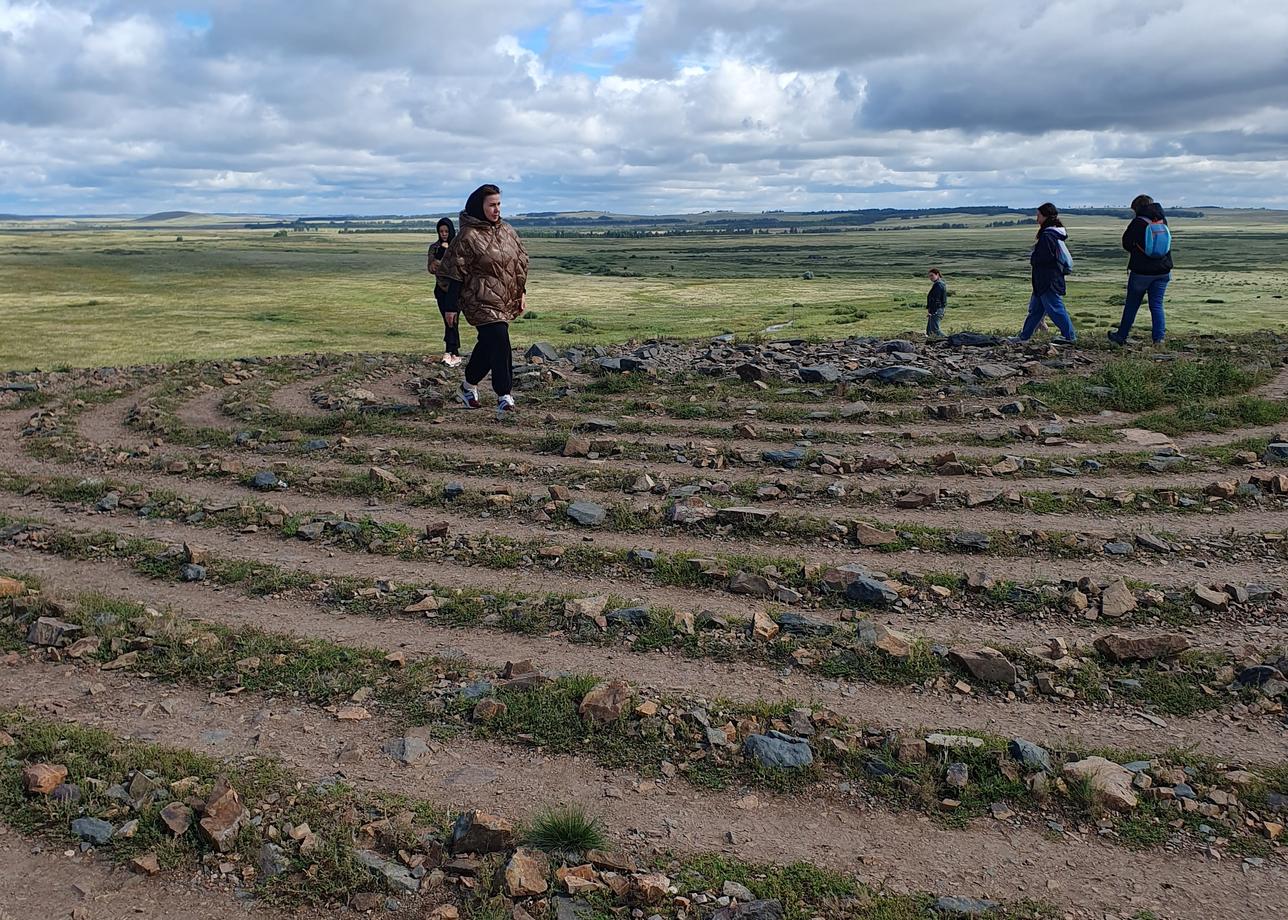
399,105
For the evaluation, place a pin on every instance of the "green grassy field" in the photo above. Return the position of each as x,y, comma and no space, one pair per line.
103,297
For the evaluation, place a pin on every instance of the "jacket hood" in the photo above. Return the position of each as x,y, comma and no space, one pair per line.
469,220
1061,232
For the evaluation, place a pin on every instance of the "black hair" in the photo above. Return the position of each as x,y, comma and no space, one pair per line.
1140,203
1050,216
451,227
474,204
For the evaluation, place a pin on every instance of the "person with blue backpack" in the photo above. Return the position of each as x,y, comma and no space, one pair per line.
1050,262
1149,268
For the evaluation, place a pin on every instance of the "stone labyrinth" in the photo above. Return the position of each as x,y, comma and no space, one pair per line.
787,630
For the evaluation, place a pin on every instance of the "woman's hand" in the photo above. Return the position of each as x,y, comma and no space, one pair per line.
523,302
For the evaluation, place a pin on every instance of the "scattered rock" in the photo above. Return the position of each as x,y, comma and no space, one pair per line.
1120,648
480,832
1111,782
94,830
223,816
606,702
43,778
588,514
525,874
1117,600
986,664
778,750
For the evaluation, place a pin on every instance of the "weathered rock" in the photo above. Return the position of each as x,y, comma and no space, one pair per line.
397,877
588,514
986,664
778,750
11,587
265,481
650,887
271,860
606,702
737,891
891,641
763,626
406,750
223,816
147,864
1211,599
525,874
690,510
95,830
867,535
177,817
822,373
790,458
1031,755
51,631
43,778
1117,600
1120,648
971,541
1110,782
543,350
479,832
870,592
750,583
192,573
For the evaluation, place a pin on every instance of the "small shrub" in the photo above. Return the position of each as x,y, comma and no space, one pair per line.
565,830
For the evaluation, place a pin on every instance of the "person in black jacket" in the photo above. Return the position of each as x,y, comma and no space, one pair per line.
1047,275
1146,275
451,318
936,304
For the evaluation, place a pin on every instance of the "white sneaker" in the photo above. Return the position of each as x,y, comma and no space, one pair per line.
469,396
505,406
452,360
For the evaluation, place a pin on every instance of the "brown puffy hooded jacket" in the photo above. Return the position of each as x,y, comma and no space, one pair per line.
492,266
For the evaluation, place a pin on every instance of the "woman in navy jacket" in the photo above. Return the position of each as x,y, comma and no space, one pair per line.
1048,277
1145,274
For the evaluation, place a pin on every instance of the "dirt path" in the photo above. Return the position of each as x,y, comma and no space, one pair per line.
39,881
901,850
1058,725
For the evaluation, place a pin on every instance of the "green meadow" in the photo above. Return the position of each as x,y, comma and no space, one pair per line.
121,296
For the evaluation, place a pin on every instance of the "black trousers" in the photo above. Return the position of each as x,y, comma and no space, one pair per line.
452,333
492,355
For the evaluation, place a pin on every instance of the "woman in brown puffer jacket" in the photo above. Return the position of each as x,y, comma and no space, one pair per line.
487,268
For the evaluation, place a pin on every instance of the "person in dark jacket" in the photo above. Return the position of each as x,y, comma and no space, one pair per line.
1047,273
1146,275
487,268
451,331
936,304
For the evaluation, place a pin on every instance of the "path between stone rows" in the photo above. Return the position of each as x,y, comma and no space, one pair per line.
983,517
898,849
38,881
1059,726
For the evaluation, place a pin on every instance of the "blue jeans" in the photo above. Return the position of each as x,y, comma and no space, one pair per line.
932,324
1052,304
1137,287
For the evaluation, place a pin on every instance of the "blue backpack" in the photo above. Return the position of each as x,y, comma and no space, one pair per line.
1064,258
1158,239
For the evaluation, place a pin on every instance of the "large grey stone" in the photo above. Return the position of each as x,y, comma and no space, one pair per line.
954,906
870,592
1030,754
778,750
95,830
588,514
821,373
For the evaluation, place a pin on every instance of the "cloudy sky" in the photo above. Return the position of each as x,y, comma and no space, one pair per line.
403,106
